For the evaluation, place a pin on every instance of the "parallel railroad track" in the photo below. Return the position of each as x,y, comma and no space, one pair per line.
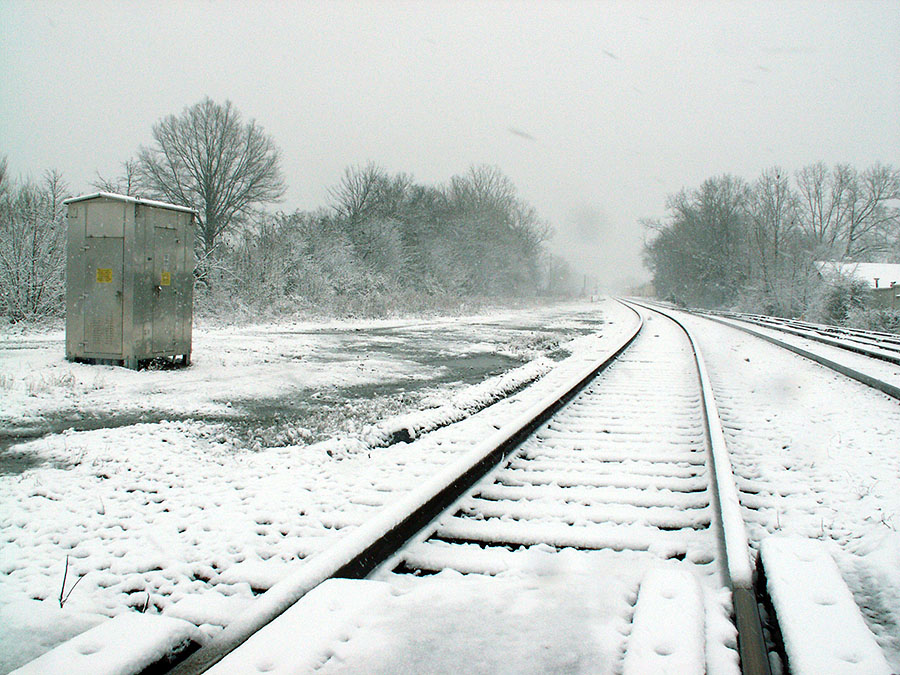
876,344
864,374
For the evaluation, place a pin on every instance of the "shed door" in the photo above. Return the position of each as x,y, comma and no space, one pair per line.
103,295
165,247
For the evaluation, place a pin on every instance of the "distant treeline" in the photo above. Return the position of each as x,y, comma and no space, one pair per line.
387,243
752,246
384,244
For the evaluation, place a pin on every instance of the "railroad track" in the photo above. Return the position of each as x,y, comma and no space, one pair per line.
878,345
877,379
625,467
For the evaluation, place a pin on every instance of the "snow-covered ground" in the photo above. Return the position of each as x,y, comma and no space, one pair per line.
193,511
583,544
816,455
210,485
257,376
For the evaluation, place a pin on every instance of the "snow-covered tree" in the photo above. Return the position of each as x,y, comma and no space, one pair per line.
32,246
207,158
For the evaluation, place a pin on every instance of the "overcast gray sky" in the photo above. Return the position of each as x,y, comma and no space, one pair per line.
596,110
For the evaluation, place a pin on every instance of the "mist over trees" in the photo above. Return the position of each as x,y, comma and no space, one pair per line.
386,242
753,246
383,244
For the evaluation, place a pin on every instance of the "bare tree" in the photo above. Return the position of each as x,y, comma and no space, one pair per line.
370,192
868,217
359,193
483,189
370,204
499,235
699,255
772,209
845,213
207,159
125,184
823,196
32,246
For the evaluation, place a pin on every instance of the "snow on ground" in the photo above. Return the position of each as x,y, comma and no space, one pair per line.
543,609
274,371
186,493
451,623
188,513
815,455
821,626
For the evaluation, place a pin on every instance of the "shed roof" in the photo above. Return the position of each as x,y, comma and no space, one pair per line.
886,274
132,200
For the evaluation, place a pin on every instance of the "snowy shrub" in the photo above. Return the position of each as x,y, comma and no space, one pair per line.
880,319
833,304
387,246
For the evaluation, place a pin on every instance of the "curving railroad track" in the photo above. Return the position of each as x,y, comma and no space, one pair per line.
618,468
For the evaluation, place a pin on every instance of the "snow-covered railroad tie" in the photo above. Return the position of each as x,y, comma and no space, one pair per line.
596,520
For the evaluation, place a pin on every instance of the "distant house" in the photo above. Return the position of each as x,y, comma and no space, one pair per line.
883,279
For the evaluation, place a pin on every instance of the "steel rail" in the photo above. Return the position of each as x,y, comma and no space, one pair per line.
751,642
379,538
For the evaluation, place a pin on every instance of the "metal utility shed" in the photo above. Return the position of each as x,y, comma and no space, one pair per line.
130,279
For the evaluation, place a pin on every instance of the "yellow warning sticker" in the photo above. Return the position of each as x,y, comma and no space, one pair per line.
104,275
165,279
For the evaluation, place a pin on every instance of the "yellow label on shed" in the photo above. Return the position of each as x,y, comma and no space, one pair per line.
165,279
104,275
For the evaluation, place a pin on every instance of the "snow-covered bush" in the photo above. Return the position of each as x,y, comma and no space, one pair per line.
835,300
880,319
387,246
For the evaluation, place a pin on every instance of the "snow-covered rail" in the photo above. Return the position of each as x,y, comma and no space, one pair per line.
625,469
861,373
754,657
878,345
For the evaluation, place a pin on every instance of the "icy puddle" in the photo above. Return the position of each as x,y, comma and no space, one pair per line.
274,384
